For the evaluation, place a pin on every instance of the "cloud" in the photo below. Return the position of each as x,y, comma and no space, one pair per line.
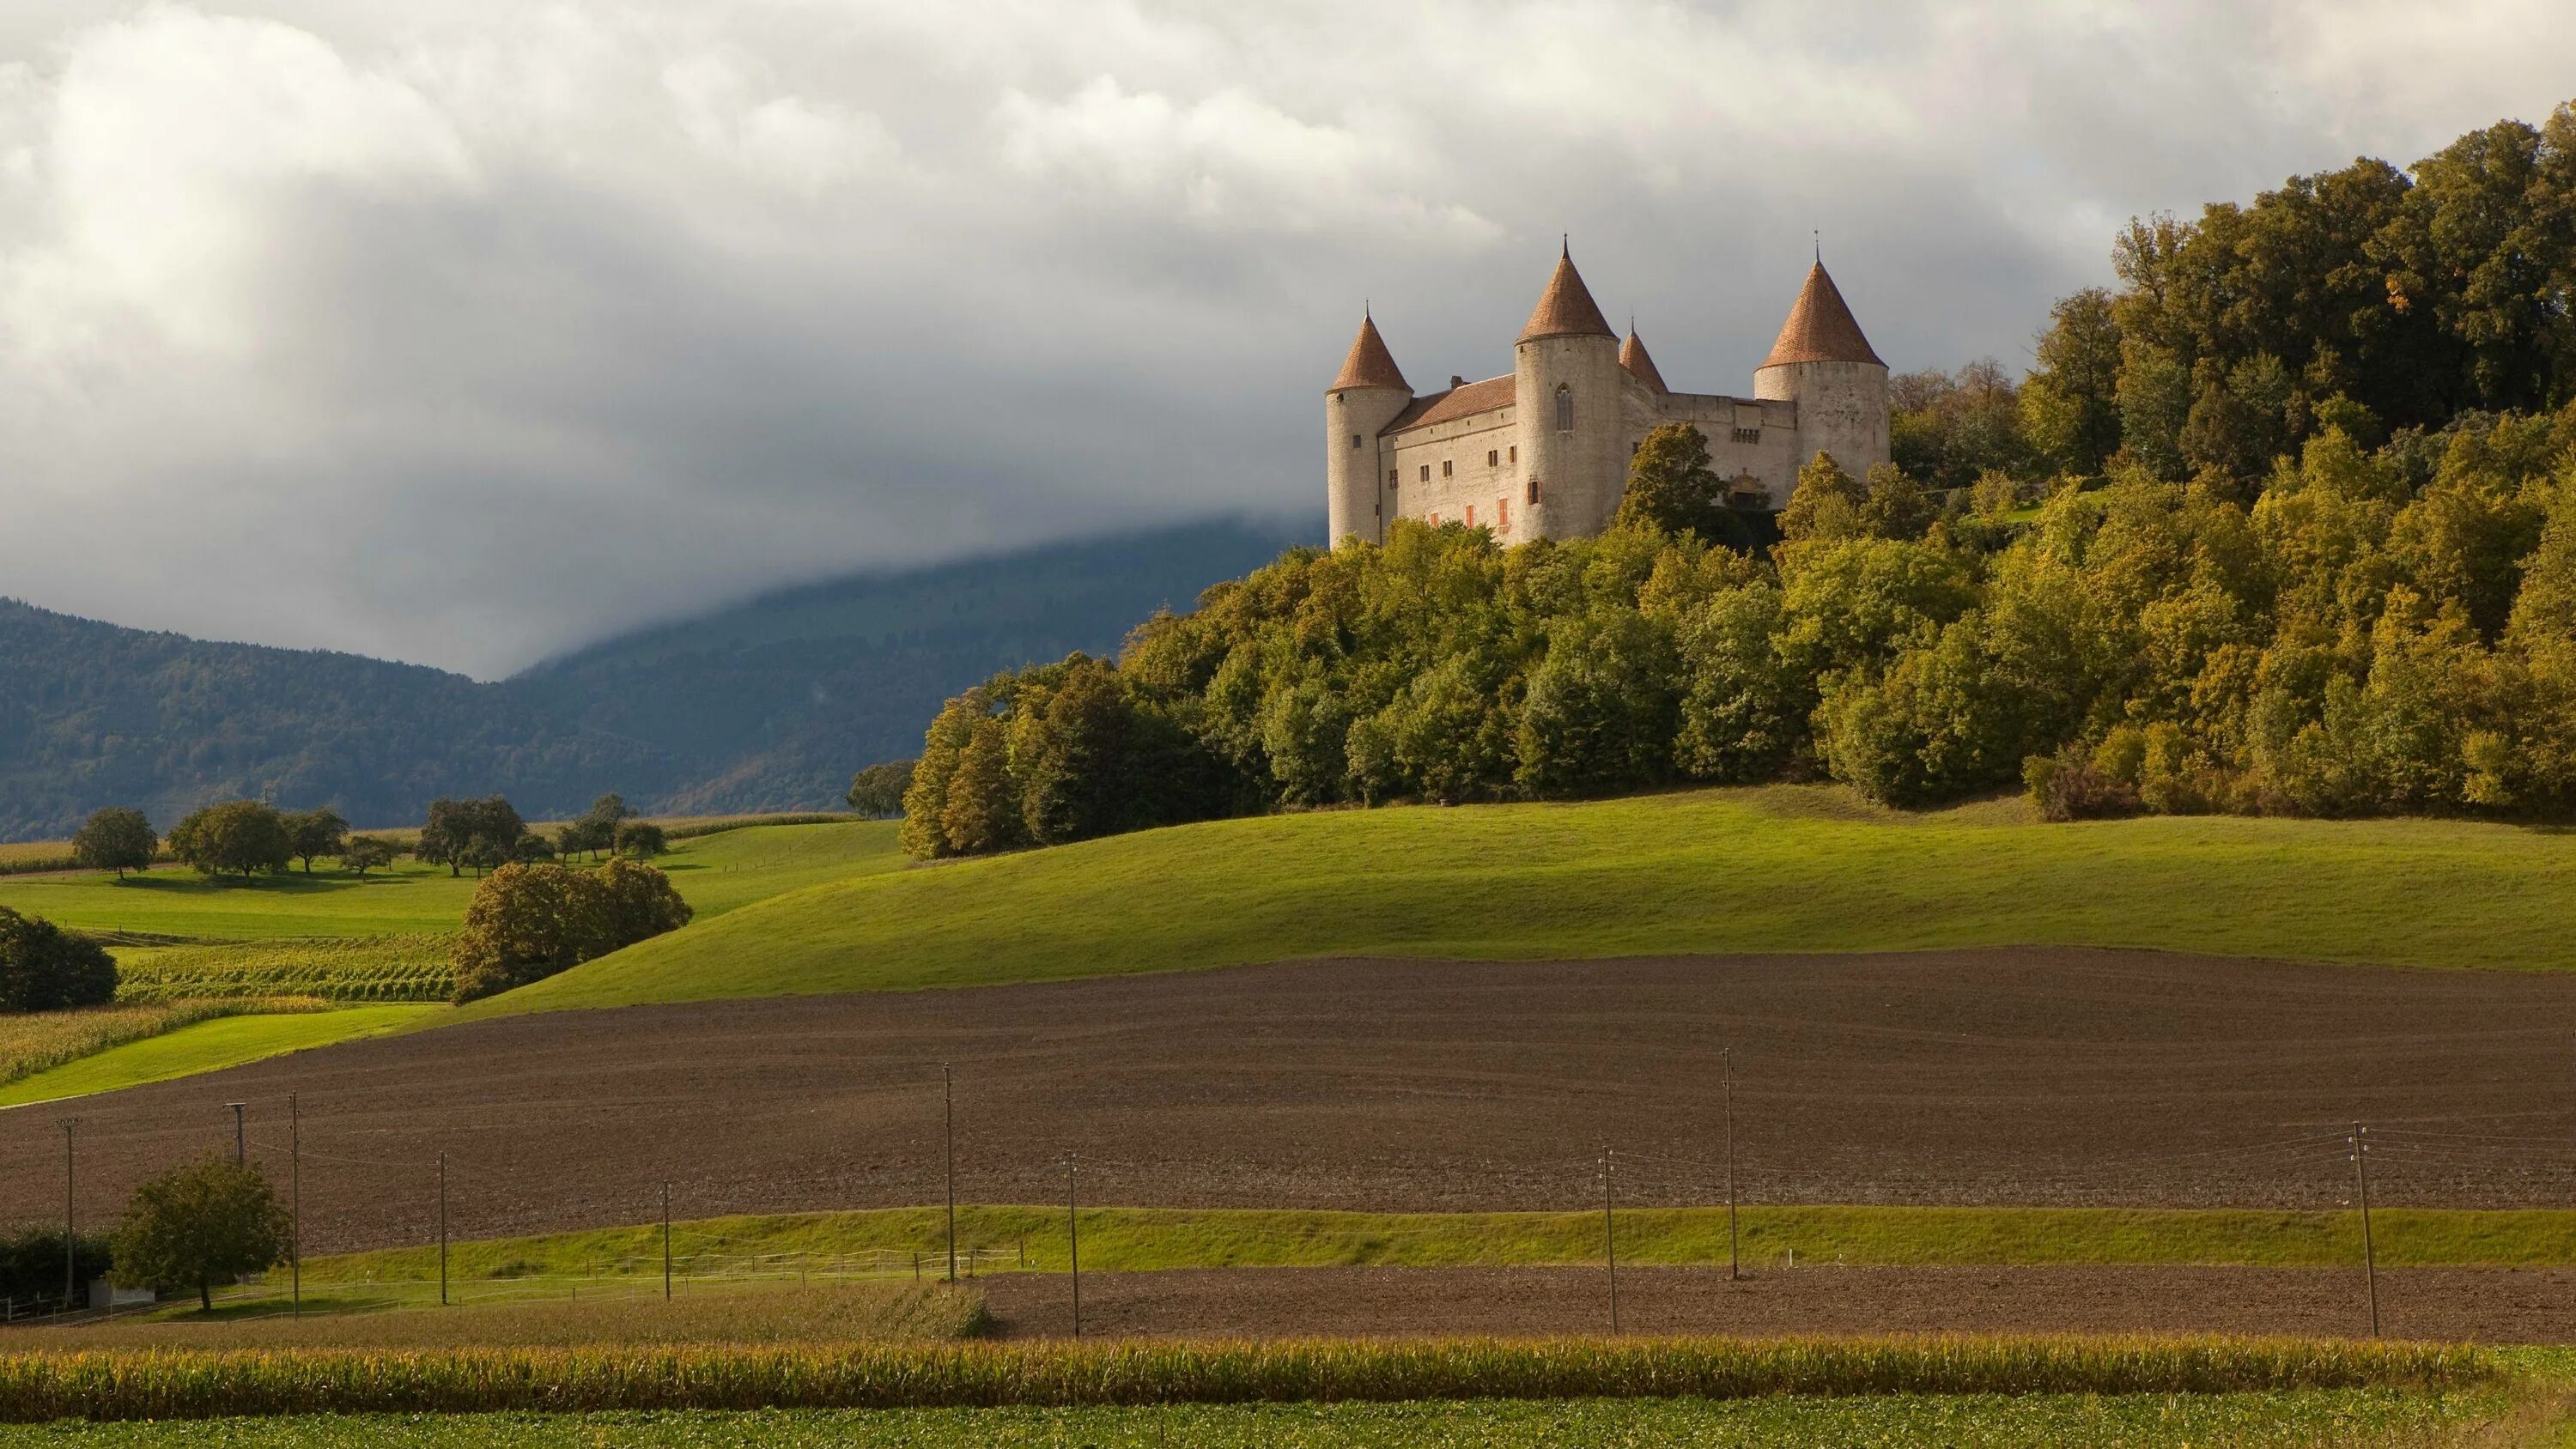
463,333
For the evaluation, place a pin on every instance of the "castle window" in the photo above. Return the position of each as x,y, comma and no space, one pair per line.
1435,520
1564,408
1502,513
1390,477
1492,457
1426,472
1445,467
1748,435
1634,446
1533,493
1471,515
1516,455
1355,442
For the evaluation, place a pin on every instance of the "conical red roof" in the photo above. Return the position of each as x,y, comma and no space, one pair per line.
1820,327
1370,364
1632,356
1566,308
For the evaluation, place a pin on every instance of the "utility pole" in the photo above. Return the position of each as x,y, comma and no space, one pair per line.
666,1242
442,1230
295,1200
241,1150
2369,1259
948,1112
1734,1263
1610,1237
71,1239
1073,1236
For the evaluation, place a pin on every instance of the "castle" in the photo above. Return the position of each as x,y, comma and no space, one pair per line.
1542,451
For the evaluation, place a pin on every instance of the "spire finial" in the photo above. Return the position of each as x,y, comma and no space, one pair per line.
1819,237
1565,245
1365,314
1632,321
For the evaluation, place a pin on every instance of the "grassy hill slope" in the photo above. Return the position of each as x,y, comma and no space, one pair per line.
1775,869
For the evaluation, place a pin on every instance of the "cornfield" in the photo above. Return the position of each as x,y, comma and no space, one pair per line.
342,968
160,1384
40,1040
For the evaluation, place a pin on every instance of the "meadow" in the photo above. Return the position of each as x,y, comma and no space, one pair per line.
1745,870
1136,1239
191,949
2347,1418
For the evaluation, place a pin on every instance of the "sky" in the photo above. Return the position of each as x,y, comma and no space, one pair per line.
465,333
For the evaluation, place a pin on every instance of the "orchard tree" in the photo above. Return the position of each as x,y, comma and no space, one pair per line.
117,839
236,837
46,968
316,832
210,1219
641,839
364,853
477,833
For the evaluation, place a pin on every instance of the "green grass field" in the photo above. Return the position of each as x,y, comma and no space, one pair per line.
1771,869
1121,1239
2348,1419
717,873
208,1045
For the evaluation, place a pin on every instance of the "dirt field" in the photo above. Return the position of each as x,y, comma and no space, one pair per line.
2495,1305
1976,1077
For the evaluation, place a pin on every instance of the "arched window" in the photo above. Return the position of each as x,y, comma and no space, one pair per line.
1564,408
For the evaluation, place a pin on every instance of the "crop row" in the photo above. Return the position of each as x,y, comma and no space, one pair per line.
350,968
38,1041
201,1384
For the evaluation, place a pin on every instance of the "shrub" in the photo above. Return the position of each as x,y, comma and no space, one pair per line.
209,1219
46,968
641,839
878,790
31,1264
528,922
116,839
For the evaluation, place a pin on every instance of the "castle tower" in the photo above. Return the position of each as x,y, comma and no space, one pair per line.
1632,356
1566,406
1364,397
1822,363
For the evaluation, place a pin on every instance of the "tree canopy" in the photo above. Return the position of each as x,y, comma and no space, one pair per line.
46,968
207,1220
237,837
117,839
530,921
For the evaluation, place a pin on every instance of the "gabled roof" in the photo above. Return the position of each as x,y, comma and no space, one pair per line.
1566,308
1370,364
1463,401
1632,356
1820,327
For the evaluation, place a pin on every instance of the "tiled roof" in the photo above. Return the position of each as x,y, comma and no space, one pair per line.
1566,308
1463,401
1370,364
1632,356
1820,327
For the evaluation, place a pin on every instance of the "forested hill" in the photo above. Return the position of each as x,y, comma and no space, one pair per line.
772,703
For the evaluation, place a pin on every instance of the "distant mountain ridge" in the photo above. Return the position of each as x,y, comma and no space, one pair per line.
769,704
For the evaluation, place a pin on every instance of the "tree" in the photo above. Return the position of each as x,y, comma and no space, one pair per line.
2070,402
1671,488
478,833
209,1219
116,839
878,790
528,922
983,809
596,829
1825,505
636,903
316,832
46,968
364,853
237,836
641,839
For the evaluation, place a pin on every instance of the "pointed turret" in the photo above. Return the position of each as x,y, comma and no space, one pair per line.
1369,363
1566,308
1820,328
1632,356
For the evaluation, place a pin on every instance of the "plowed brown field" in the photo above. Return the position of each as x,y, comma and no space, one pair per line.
2022,1076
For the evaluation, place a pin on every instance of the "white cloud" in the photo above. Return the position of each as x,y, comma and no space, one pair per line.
461,332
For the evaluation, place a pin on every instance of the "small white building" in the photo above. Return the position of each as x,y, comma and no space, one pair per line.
1542,451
